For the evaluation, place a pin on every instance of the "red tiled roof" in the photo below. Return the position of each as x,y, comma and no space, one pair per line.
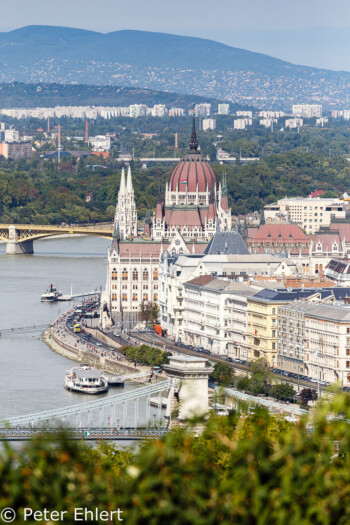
327,241
203,279
316,193
153,249
134,249
180,218
283,232
295,251
344,230
193,170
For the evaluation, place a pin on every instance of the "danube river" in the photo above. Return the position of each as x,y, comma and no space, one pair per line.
32,376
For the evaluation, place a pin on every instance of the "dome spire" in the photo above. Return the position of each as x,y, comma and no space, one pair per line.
193,141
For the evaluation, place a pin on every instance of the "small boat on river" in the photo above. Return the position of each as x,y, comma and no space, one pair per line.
51,295
86,380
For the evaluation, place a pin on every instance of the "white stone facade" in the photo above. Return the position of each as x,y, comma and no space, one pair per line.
126,214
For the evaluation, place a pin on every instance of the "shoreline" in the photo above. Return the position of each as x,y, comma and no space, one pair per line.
105,360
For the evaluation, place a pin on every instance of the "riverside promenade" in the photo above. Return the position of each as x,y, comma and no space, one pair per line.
67,344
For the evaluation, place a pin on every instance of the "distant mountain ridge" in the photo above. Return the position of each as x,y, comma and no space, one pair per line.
164,62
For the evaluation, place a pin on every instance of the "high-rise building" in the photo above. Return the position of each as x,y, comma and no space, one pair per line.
202,110
16,150
208,123
223,109
307,110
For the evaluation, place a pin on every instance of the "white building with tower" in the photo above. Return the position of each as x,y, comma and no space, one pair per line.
194,207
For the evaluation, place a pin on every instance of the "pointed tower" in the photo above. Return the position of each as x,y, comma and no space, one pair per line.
125,214
193,141
158,228
224,211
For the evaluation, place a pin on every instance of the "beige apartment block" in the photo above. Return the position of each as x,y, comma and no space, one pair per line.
309,214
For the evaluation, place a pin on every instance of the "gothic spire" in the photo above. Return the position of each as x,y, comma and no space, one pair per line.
193,141
122,181
116,233
129,180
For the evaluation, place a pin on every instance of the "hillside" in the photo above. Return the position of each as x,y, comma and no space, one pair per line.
19,94
164,62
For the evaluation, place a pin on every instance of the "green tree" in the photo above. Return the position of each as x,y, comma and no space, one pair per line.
283,391
223,374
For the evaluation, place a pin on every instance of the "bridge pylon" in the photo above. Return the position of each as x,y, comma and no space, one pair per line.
16,247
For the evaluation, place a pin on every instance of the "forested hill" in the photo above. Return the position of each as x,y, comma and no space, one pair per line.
21,95
164,62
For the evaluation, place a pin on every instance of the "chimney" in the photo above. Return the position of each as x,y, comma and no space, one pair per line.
86,131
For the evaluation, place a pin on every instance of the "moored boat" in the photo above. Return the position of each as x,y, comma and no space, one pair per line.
51,295
86,380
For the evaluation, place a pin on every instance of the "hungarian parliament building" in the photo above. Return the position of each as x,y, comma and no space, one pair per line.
194,207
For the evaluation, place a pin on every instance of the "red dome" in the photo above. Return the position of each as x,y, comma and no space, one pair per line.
193,170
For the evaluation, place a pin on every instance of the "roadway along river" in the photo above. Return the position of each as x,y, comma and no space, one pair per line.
32,376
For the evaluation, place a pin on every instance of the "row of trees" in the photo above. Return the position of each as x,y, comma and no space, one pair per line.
41,191
261,381
145,355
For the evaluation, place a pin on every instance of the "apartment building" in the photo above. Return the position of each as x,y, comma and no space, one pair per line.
314,338
309,214
223,109
263,321
215,315
208,124
202,110
307,110
16,150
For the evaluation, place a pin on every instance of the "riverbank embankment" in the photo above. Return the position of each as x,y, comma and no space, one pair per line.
63,342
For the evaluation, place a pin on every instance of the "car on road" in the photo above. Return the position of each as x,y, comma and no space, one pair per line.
98,343
229,359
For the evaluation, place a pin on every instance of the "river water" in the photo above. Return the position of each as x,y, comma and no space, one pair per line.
32,375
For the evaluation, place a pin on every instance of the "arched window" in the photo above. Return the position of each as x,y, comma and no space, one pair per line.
348,378
114,297
124,297
155,274
145,296
145,275
125,274
135,275
155,297
134,296
114,274
316,268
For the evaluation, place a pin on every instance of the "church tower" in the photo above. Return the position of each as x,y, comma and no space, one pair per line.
125,213
224,211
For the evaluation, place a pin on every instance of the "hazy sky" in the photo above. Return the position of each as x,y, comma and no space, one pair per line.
288,29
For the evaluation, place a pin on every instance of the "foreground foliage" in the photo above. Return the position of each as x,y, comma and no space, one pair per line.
245,469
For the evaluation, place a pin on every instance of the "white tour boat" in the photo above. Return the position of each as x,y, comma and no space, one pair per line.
51,295
85,379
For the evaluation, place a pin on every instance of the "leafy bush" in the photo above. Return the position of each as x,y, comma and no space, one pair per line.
253,469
